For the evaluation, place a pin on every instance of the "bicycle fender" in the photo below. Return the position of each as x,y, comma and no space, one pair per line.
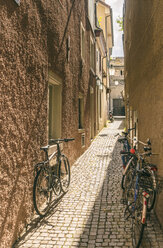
144,213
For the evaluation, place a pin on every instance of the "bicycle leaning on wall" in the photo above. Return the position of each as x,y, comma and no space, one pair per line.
140,188
50,180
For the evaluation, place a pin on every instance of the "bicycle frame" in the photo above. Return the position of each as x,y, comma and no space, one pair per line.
55,153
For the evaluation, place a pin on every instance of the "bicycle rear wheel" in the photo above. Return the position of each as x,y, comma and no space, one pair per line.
56,185
137,225
151,188
64,173
42,194
127,177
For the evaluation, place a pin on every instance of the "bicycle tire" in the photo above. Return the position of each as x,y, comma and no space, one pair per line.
64,173
122,182
151,189
137,225
42,196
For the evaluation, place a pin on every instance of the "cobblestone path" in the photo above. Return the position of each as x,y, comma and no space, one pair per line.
91,214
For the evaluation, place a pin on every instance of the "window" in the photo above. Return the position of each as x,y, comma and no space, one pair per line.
82,42
92,54
81,112
121,72
83,140
55,108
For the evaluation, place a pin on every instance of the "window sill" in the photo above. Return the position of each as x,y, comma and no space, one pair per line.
81,130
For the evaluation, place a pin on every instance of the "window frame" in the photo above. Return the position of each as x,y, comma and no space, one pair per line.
80,112
82,41
92,54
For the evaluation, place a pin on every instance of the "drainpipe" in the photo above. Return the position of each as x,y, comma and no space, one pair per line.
108,81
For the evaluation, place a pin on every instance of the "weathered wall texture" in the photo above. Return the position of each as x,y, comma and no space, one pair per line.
31,39
144,74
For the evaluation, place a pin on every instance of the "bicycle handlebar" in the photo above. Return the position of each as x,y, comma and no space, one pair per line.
61,140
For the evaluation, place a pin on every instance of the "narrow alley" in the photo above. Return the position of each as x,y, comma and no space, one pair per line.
91,214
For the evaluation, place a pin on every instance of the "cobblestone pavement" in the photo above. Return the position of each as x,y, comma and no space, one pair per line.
91,214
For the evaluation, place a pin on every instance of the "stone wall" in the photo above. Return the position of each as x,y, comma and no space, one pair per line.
144,75
33,41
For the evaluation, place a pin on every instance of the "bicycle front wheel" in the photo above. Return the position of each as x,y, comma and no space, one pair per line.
64,173
127,177
42,194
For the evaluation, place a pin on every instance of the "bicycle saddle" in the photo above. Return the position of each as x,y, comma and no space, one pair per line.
44,148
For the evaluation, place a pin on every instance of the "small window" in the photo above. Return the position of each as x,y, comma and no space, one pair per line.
82,42
83,140
81,112
92,54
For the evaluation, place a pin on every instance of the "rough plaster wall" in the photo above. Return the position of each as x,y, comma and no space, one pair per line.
23,110
144,74
31,36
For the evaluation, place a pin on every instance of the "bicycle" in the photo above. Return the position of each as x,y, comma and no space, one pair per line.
50,179
126,158
138,194
126,145
151,168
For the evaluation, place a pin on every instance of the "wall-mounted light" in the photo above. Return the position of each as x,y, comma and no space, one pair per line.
98,81
116,83
101,87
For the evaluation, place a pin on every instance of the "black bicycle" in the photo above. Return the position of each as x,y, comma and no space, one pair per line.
51,179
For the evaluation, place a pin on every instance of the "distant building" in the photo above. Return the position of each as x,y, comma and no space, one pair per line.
104,44
117,86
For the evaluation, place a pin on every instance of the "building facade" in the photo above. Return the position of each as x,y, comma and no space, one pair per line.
143,44
48,90
117,105
104,46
